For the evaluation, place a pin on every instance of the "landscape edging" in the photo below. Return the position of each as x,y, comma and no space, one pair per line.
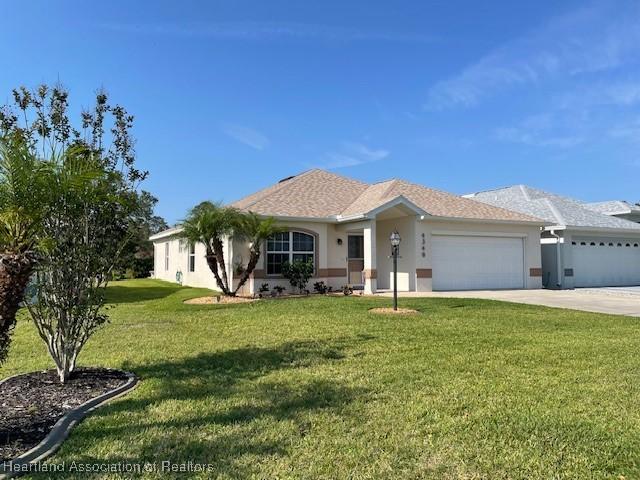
62,428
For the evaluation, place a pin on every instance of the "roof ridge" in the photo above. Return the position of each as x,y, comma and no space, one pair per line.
392,183
287,181
555,211
523,189
461,197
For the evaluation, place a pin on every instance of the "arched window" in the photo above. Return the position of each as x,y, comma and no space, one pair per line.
289,247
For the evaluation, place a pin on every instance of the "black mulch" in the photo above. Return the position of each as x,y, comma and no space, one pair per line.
31,404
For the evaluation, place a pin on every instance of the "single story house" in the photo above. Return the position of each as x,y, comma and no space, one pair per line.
343,226
616,208
581,247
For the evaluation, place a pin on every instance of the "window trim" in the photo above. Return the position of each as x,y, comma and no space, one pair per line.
166,256
290,252
191,258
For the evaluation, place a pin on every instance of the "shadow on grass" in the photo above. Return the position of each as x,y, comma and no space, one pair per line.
127,294
222,403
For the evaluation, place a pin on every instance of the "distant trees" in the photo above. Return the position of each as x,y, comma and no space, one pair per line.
136,259
209,223
86,219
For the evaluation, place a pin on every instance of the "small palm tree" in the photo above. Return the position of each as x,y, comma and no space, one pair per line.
255,230
23,191
209,223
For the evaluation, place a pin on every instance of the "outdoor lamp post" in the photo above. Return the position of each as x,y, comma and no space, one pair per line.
395,246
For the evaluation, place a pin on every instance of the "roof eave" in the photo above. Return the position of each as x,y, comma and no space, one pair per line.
538,223
166,234
635,231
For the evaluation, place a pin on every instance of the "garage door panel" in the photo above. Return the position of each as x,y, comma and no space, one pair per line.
604,265
477,262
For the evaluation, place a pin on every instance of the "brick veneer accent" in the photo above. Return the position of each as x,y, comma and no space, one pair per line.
535,272
424,273
322,272
370,273
332,272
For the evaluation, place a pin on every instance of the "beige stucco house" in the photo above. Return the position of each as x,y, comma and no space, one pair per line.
343,225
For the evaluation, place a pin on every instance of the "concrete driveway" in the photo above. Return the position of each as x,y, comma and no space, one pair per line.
614,300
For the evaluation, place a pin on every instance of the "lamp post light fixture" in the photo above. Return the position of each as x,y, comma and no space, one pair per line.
395,240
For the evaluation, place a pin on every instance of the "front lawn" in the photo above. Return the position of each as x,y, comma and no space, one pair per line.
320,388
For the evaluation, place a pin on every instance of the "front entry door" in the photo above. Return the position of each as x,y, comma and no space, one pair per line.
355,259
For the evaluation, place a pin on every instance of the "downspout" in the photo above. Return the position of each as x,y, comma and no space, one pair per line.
558,258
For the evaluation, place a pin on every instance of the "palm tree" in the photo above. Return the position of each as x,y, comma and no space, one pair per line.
255,230
23,188
209,223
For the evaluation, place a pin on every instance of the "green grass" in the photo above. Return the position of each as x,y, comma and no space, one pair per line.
320,388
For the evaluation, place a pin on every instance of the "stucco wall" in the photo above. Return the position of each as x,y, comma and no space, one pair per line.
406,227
332,257
178,262
330,260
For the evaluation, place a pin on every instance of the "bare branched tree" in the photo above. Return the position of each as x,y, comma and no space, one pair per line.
93,200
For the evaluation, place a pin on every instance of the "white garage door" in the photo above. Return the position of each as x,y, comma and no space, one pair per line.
476,263
606,262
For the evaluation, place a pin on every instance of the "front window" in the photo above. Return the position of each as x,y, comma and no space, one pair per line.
166,256
192,257
288,247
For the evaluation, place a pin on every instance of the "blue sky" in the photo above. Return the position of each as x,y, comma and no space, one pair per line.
230,96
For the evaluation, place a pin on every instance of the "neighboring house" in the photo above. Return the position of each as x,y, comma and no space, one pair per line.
580,247
616,208
343,225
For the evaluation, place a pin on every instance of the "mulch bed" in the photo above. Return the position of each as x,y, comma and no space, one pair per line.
31,404
391,311
210,300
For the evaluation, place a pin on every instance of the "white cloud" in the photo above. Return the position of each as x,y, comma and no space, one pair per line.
543,130
627,131
594,39
246,135
352,154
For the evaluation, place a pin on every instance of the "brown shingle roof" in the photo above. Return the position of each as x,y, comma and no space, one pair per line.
321,194
314,193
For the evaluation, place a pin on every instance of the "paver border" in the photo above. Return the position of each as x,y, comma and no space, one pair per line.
63,427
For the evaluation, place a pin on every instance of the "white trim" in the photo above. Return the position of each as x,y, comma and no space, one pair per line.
291,252
551,241
609,230
478,234
540,223
166,233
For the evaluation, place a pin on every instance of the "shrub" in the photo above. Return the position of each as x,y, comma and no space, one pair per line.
298,273
320,287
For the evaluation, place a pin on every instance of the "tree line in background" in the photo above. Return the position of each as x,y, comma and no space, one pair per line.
71,213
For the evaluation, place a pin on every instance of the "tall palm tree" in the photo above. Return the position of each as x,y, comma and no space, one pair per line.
209,223
255,230
23,190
